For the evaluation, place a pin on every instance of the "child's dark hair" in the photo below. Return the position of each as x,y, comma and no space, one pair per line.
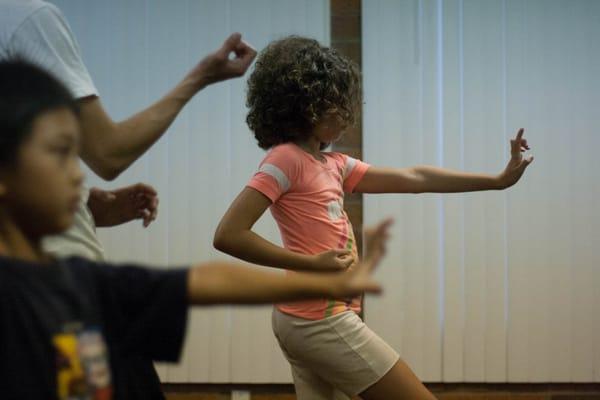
295,83
26,91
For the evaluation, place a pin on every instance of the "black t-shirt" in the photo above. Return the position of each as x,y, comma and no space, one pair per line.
81,330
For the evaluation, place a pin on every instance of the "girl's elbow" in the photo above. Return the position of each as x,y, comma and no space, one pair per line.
219,241
222,241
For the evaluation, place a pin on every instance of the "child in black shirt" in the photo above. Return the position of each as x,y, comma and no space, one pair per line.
75,329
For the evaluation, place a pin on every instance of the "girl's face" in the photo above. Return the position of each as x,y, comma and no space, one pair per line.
329,129
41,190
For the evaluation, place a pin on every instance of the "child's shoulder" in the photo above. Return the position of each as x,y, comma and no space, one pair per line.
344,163
16,272
285,153
335,154
339,158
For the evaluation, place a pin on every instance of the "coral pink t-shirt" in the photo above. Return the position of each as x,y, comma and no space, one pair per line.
308,205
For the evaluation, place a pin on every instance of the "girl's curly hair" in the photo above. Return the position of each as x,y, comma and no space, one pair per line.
295,83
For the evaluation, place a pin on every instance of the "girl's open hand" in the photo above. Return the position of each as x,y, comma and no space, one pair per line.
517,164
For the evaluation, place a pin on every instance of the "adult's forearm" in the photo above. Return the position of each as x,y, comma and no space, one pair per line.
135,135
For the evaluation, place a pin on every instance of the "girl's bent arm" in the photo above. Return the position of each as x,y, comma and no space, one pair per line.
226,283
234,236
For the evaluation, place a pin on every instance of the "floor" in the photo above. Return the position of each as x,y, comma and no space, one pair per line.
441,391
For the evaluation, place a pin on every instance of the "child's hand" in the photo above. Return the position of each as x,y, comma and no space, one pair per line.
375,240
517,164
359,280
333,260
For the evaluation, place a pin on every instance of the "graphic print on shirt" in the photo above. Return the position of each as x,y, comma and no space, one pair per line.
335,209
82,366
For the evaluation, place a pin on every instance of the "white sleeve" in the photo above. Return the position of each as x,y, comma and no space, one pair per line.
45,39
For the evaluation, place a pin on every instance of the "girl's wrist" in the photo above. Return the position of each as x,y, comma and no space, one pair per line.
300,262
309,262
498,182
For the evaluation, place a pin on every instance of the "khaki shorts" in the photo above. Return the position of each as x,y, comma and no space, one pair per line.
334,358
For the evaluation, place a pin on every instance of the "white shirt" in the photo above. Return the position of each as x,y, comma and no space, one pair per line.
37,32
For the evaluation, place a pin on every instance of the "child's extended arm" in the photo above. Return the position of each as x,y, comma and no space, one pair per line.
423,179
227,283
234,236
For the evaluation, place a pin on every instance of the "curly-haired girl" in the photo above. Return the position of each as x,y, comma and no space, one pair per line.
301,97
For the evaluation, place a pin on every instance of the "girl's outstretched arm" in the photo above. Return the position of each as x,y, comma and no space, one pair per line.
234,236
429,179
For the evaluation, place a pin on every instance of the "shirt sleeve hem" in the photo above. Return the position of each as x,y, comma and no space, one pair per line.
355,177
273,195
